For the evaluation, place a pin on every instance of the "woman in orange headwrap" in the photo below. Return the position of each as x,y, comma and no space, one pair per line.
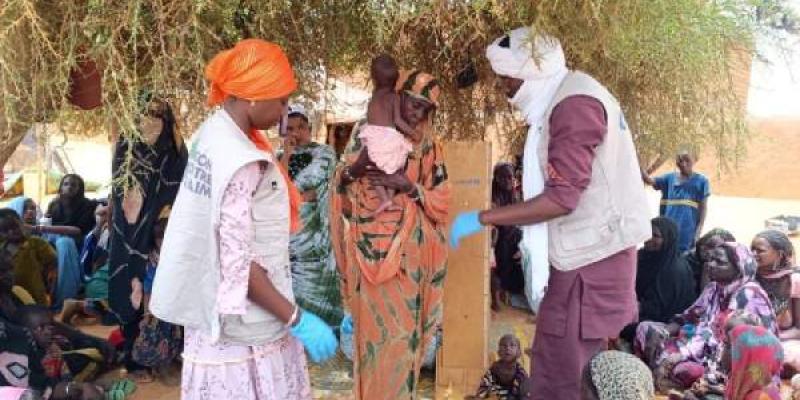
393,263
224,265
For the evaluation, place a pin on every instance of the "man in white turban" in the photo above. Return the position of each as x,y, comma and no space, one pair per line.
584,213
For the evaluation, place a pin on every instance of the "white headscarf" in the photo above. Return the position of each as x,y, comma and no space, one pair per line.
297,109
539,61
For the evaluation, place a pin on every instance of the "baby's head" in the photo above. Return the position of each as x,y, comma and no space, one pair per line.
384,71
508,349
39,320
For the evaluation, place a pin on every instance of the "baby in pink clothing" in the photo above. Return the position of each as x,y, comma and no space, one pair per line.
384,134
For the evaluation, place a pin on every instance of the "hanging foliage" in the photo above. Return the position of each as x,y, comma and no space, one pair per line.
668,61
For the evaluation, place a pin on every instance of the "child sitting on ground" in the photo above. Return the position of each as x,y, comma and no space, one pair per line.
506,379
384,134
66,354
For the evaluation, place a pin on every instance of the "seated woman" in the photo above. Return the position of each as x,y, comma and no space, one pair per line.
681,356
697,257
72,208
664,281
60,237
779,277
35,267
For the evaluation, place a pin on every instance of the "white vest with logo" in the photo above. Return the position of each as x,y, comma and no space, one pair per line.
186,286
612,214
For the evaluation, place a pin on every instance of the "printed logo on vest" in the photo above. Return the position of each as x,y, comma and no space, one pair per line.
197,177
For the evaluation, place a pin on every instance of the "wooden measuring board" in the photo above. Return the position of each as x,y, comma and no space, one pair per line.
463,358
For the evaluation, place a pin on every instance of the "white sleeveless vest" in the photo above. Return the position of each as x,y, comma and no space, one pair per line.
186,286
612,214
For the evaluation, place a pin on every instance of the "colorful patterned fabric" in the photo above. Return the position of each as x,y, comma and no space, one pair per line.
315,280
158,344
393,268
620,376
756,359
491,385
710,311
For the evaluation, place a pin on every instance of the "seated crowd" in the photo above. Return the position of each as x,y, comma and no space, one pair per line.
46,283
735,337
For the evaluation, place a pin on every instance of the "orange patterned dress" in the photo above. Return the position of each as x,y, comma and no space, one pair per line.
393,268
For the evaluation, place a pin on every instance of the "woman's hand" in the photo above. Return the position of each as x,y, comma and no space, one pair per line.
397,181
362,165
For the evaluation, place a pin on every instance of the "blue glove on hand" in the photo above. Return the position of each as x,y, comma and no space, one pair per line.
347,325
316,336
464,225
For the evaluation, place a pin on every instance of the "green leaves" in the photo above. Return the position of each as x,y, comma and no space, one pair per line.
668,61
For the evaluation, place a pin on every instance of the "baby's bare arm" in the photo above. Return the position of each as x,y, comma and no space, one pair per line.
399,123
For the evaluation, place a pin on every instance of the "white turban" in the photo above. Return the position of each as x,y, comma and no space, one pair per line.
519,58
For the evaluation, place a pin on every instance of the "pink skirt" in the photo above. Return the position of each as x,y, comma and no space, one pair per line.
386,147
273,371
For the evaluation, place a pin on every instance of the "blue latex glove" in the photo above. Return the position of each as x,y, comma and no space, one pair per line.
465,224
316,336
347,325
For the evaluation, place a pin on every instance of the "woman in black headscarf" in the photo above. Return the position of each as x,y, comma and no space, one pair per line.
72,208
160,158
664,281
508,274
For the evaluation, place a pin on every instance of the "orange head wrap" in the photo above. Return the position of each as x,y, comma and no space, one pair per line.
255,70
421,85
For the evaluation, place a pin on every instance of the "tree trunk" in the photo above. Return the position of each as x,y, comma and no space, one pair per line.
10,138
